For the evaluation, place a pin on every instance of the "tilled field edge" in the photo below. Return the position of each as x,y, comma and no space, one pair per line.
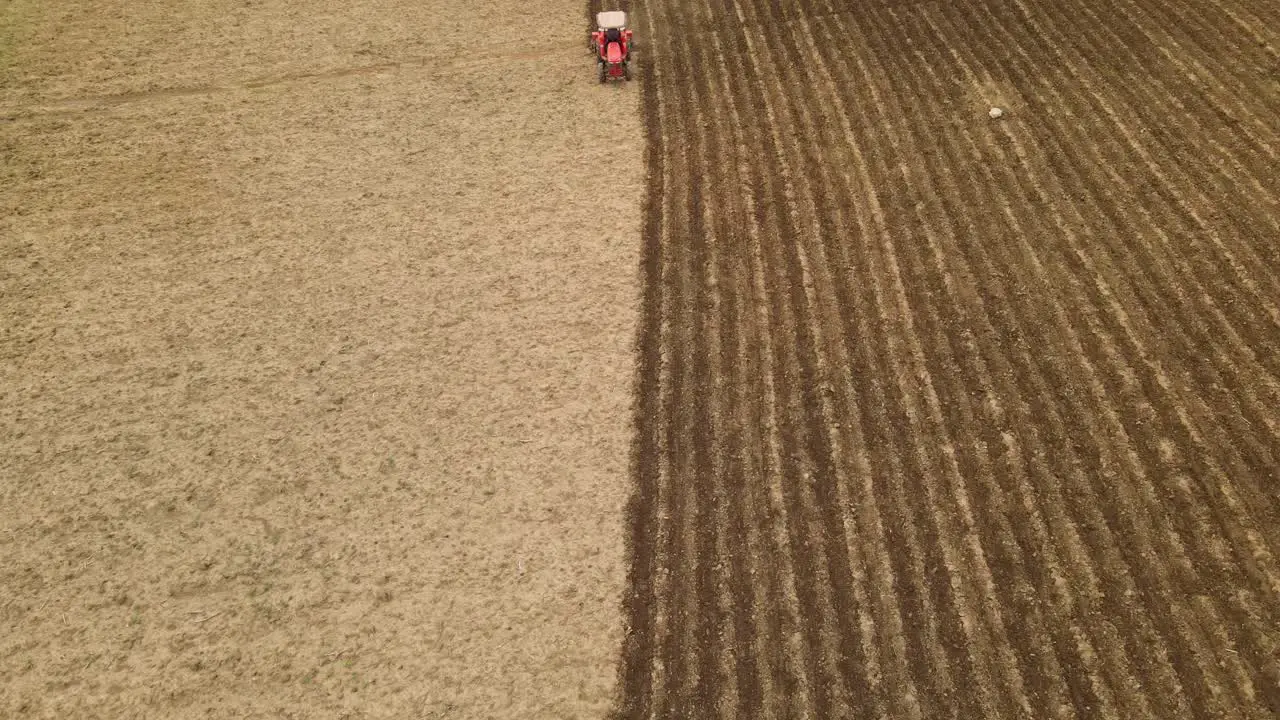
939,415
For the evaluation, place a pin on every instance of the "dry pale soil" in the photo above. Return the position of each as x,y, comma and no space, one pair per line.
315,359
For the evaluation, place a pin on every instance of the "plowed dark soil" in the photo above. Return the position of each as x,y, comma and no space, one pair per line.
946,415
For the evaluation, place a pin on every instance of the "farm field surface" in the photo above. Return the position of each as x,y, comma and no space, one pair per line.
317,372
946,415
315,360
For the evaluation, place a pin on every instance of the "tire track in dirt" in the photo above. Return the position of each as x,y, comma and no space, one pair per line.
103,103
943,417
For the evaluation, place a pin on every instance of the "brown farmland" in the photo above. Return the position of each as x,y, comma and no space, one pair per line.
942,415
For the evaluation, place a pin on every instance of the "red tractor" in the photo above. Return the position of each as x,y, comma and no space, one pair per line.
611,43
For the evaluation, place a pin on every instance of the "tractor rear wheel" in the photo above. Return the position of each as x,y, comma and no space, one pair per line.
626,70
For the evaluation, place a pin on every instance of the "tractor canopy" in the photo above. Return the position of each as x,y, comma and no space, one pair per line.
611,19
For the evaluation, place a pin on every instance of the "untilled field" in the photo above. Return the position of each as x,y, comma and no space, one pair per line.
315,360
942,415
